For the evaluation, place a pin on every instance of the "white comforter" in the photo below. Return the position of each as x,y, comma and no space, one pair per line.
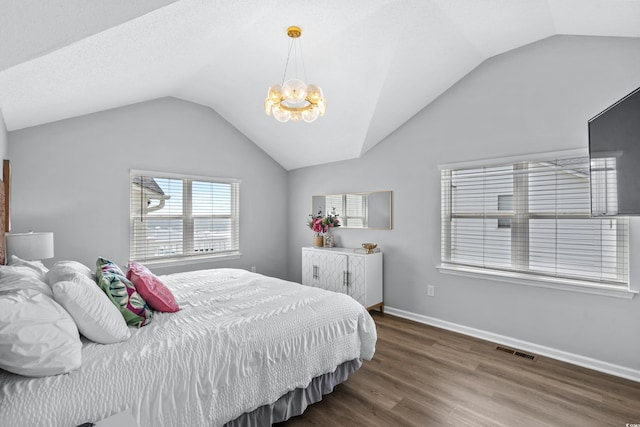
241,340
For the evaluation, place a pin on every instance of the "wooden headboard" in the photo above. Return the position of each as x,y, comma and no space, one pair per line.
5,225
2,240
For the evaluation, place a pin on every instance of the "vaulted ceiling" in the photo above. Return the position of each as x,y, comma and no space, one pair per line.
378,62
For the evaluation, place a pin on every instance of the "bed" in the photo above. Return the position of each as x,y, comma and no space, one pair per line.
244,349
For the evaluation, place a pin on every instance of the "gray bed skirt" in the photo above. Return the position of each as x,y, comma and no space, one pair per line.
296,401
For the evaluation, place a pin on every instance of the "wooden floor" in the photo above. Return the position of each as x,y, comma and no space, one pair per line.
425,376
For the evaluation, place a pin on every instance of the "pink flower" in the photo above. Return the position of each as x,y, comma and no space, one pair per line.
320,224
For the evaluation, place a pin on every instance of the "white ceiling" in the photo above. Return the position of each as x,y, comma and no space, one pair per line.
378,62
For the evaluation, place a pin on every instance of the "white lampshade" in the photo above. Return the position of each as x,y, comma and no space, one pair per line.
30,246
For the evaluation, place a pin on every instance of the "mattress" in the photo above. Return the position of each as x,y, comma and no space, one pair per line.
241,340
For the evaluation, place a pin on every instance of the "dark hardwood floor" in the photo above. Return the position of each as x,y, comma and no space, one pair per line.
425,376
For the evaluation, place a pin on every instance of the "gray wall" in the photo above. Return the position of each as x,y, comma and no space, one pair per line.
72,177
534,99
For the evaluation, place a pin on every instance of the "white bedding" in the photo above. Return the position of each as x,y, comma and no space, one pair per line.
240,340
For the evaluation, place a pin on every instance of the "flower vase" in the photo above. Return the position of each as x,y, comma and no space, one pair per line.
318,241
328,240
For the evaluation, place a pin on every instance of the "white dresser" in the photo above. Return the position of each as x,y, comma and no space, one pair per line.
342,270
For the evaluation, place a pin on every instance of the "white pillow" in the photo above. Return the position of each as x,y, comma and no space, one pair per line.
96,316
37,336
18,272
65,270
36,266
10,284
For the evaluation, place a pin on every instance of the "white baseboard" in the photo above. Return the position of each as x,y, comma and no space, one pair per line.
575,359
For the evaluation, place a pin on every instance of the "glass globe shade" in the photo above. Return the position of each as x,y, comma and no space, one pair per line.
310,114
281,114
322,107
267,106
314,94
296,116
275,94
294,91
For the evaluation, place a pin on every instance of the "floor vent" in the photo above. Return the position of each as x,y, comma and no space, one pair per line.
505,349
516,352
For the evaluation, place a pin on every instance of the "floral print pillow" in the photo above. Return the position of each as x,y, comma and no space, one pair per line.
122,293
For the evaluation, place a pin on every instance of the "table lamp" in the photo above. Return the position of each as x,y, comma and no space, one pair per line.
30,246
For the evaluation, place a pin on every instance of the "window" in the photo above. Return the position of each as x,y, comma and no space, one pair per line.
352,209
505,203
604,184
355,214
178,217
531,217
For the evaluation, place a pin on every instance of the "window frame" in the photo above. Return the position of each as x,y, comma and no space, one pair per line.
187,217
521,277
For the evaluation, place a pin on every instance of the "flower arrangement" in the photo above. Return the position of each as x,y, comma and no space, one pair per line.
322,224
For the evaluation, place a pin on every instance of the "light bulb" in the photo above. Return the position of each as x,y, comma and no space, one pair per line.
294,91
281,114
296,116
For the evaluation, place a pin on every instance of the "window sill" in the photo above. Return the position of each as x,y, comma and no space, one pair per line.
540,281
189,260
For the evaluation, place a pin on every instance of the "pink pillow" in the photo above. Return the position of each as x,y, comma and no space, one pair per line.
154,292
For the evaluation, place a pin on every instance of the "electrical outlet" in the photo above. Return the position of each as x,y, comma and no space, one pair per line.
431,290
253,268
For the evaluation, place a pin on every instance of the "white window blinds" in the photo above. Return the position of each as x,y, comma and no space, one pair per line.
181,217
356,210
531,217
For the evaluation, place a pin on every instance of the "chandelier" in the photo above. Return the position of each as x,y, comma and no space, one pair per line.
293,99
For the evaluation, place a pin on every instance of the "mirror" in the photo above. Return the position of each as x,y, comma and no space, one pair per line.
357,210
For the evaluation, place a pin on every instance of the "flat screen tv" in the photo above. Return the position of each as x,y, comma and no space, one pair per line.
614,149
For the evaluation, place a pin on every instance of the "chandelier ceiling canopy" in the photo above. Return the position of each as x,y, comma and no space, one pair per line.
294,99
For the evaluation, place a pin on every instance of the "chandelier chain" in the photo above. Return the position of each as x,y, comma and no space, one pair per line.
304,67
292,46
286,65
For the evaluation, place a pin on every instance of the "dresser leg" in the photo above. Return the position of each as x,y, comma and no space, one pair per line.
379,307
